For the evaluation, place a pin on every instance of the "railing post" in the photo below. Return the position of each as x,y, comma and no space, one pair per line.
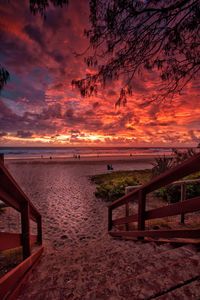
127,214
25,214
182,199
2,158
141,210
39,230
109,218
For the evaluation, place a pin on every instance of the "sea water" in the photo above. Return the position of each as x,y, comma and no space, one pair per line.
69,152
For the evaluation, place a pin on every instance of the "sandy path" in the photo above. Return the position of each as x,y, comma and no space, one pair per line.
76,241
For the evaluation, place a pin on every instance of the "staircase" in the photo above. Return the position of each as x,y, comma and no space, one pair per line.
116,269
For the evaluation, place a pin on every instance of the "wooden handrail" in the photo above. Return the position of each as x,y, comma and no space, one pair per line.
186,206
187,167
11,240
10,283
13,196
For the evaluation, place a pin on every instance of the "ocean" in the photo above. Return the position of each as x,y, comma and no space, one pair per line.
68,152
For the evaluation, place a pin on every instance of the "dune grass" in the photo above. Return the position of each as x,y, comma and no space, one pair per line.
111,186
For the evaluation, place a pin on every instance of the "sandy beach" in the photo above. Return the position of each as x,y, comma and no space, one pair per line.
80,257
74,221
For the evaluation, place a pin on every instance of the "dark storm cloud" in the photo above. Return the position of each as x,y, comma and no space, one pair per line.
56,20
2,134
8,119
118,124
24,134
17,53
35,34
53,111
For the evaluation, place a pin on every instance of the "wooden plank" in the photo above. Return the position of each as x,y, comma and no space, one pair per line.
12,279
33,239
186,206
109,218
25,214
141,210
183,194
129,219
9,200
186,181
125,199
39,230
127,214
15,293
179,233
10,187
176,242
9,240
34,214
187,167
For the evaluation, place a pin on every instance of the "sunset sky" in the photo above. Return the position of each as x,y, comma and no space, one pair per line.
39,107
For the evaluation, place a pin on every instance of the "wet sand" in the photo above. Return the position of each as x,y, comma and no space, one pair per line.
123,159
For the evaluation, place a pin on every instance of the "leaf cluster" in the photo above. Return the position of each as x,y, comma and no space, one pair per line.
130,36
163,163
4,77
40,6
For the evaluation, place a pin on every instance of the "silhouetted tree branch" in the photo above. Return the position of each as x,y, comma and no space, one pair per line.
40,6
4,77
36,7
129,36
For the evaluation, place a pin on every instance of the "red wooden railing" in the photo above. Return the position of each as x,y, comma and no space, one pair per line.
190,166
13,196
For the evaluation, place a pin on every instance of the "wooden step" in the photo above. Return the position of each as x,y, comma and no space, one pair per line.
189,290
122,270
148,283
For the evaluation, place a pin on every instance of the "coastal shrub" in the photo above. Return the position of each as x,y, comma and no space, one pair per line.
172,193
163,163
112,185
180,156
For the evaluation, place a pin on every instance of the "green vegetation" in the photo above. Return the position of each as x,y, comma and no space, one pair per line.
163,163
172,193
112,185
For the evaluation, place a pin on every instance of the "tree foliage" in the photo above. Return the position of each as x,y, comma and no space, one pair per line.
40,6
129,36
4,77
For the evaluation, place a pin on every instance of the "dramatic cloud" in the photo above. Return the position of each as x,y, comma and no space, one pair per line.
40,106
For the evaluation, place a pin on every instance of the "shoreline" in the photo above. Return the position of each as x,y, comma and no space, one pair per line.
83,160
